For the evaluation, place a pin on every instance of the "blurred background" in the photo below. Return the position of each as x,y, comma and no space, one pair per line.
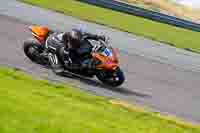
186,9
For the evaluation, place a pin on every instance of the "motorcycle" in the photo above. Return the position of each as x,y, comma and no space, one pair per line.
107,68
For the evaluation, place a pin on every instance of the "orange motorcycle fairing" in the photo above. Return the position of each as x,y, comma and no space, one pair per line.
39,32
114,58
108,64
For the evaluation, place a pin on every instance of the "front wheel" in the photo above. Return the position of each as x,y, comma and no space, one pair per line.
113,79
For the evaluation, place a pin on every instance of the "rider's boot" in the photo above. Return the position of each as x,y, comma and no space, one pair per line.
66,59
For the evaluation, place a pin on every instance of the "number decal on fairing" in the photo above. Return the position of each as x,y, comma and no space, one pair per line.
107,52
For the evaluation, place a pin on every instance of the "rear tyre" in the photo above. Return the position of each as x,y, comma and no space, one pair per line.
32,50
113,79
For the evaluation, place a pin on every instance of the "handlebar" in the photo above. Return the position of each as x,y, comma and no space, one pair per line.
100,45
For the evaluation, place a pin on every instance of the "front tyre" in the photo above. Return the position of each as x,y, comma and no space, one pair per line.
113,79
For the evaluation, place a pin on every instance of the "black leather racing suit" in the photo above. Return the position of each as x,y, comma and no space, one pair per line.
63,52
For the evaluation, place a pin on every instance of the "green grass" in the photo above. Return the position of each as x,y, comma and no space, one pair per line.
36,106
174,36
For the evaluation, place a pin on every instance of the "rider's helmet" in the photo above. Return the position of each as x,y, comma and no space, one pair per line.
75,37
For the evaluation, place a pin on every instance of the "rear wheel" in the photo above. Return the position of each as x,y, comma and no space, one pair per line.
113,79
32,50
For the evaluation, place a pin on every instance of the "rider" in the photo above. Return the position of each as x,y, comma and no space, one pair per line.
69,48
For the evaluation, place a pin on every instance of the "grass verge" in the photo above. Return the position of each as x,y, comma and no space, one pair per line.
171,35
31,106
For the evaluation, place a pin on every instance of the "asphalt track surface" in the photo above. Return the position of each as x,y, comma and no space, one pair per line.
161,77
